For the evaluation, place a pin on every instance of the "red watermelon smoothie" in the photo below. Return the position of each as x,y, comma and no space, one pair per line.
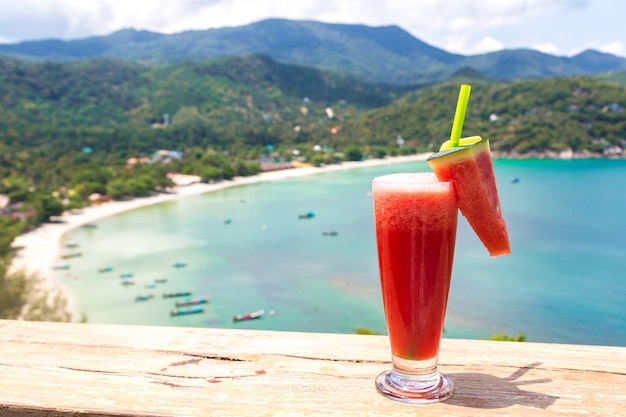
416,218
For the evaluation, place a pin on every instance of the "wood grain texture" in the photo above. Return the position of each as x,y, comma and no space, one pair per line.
61,369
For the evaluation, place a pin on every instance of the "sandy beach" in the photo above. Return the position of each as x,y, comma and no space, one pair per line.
41,248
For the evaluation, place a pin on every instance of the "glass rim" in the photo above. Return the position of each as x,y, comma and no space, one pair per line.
411,179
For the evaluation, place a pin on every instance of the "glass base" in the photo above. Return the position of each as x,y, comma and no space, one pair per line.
416,389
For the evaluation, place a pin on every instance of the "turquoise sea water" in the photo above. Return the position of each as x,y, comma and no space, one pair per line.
564,282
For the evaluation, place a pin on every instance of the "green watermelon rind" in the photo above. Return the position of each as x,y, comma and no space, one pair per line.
485,206
460,151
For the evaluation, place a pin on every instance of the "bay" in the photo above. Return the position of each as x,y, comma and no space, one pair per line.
564,281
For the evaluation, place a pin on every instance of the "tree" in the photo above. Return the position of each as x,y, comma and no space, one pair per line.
140,185
85,189
9,230
210,174
520,337
15,290
353,153
380,152
317,159
23,296
365,330
244,169
48,206
228,172
117,188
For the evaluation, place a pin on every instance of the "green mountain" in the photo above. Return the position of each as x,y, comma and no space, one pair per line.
113,105
617,77
102,91
520,118
385,54
254,101
69,129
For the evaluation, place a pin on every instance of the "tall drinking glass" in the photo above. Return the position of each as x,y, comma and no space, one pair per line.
416,218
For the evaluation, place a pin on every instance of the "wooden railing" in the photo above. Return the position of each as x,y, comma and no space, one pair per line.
62,369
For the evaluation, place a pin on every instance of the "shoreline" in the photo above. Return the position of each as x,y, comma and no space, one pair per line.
40,249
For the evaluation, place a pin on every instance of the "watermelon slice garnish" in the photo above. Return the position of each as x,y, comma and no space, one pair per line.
469,165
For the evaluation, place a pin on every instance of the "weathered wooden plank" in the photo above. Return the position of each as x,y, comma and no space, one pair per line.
60,369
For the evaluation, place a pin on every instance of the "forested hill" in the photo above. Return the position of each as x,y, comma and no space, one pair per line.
581,115
74,126
113,106
69,131
376,54
232,98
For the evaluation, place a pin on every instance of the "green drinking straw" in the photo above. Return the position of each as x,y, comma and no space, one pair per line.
459,115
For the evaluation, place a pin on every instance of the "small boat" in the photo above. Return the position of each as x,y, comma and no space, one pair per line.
228,220
160,280
71,255
330,233
60,267
106,269
179,264
89,226
187,312
124,276
71,244
249,316
307,215
177,294
128,282
144,297
192,302
515,180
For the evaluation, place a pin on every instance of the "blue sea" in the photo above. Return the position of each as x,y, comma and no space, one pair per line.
564,282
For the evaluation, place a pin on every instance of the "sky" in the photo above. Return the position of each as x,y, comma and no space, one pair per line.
468,27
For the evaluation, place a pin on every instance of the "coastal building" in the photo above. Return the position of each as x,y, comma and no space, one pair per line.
165,156
164,123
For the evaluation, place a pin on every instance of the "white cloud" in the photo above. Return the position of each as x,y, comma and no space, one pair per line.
461,26
461,23
547,48
76,16
615,48
166,16
470,45
40,19
489,44
465,26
